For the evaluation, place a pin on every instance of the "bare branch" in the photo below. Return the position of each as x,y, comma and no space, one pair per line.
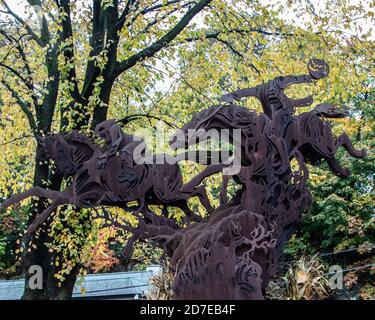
158,6
145,115
16,139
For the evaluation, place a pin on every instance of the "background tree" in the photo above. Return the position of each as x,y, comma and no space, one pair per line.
71,64
81,104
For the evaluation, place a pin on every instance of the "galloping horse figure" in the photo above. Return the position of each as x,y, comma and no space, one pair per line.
272,195
307,136
308,132
76,155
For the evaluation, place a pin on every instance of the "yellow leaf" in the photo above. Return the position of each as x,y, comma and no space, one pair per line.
301,277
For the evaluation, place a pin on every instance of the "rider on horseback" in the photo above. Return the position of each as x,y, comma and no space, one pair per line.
118,143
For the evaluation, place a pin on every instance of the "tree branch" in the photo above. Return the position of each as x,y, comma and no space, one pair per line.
216,36
151,9
45,34
164,16
124,15
33,35
158,6
242,32
163,41
16,139
28,80
105,39
17,74
104,36
145,115
25,107
68,49
182,78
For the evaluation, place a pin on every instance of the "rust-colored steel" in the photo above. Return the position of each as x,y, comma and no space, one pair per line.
233,252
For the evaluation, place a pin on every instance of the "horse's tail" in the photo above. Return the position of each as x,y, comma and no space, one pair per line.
328,110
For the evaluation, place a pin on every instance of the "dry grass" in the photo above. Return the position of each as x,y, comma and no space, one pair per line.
161,285
307,280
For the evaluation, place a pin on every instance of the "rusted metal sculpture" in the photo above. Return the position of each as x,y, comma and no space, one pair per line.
95,182
233,252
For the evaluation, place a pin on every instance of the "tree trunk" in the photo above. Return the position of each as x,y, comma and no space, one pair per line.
100,112
40,256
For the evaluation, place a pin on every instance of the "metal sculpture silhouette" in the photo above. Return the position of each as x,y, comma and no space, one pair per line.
233,252
95,184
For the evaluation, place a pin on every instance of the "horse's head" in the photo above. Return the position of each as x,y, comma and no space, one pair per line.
195,129
217,117
68,150
102,130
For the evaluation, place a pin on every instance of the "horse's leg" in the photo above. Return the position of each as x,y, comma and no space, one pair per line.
337,168
223,190
302,168
196,180
142,207
46,213
33,192
201,193
95,195
344,140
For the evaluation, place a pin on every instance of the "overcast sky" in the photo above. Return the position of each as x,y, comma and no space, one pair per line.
21,8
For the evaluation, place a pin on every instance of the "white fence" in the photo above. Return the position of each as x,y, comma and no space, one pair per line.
119,285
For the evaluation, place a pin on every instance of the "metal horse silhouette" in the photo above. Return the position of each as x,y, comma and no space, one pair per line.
95,182
233,252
